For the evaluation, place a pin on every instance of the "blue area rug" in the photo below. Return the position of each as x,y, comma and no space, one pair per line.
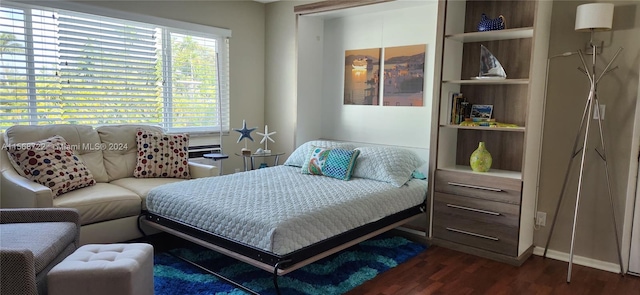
335,274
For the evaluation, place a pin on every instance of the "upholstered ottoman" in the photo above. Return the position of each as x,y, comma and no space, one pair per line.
123,269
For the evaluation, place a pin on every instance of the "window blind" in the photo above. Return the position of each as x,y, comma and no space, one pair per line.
225,92
60,66
29,91
192,84
108,70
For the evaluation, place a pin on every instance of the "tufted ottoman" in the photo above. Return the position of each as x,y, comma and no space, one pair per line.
122,269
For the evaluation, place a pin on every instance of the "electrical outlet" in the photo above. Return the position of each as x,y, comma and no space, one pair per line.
541,218
595,112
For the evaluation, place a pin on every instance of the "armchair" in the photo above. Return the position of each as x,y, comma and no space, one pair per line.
32,241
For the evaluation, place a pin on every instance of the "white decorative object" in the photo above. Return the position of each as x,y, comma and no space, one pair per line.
266,137
490,67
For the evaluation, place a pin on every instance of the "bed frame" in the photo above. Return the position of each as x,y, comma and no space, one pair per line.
278,265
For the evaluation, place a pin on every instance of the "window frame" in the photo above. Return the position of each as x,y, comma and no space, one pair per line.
221,35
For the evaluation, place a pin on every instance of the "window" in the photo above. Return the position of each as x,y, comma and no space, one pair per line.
59,66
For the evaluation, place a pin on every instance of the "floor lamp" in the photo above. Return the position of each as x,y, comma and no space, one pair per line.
589,18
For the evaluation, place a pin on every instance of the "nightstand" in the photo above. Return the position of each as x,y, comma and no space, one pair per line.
249,160
218,158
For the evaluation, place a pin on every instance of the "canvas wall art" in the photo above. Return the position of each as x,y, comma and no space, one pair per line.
404,75
361,76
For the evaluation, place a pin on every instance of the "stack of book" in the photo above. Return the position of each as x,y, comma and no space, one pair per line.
460,108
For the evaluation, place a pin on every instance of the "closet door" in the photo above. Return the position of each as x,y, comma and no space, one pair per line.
634,259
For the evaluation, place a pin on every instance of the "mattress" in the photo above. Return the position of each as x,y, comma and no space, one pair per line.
279,209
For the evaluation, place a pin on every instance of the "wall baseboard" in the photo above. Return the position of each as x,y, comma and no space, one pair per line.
580,260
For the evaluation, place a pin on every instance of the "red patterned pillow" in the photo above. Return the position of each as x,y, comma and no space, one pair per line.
162,155
52,163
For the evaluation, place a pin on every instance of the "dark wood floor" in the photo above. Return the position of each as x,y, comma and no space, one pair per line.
443,271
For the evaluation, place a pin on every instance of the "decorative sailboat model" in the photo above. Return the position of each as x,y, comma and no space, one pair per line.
490,67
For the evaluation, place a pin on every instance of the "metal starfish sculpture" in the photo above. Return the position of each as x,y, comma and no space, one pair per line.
244,132
266,137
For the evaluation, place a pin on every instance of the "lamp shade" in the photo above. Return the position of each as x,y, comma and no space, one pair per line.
594,16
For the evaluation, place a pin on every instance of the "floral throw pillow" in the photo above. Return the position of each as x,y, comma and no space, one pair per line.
335,163
52,163
162,155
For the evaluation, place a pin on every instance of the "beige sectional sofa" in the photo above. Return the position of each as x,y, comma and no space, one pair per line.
109,209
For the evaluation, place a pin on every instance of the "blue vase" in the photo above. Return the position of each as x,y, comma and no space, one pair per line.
487,24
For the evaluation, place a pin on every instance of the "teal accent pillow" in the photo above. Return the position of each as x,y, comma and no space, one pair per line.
335,163
418,175
301,154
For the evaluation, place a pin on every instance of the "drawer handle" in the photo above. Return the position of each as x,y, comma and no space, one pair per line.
475,186
473,234
474,210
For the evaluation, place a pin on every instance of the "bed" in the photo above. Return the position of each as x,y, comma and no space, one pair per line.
280,219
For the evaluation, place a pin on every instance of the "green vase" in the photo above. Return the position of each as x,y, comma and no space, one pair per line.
480,159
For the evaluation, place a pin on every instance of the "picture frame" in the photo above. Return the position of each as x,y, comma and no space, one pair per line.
362,76
403,75
481,112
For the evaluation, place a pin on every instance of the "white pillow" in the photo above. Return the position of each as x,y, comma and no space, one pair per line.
301,154
387,164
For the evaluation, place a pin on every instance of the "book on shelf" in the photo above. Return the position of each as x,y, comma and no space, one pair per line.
459,108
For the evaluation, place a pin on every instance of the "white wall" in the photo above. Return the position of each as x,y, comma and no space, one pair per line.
405,126
280,74
310,89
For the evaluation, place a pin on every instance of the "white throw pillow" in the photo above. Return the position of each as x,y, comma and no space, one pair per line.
387,164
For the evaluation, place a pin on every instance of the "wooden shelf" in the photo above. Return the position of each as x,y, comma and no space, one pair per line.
484,128
488,81
491,172
507,34
521,50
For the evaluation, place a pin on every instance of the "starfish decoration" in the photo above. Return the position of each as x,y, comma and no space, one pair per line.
266,136
244,132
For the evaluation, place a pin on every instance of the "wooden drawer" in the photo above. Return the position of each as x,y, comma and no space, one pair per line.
478,223
455,206
475,185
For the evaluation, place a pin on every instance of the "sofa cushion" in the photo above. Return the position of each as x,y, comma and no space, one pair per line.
46,240
121,162
162,155
101,202
142,186
83,139
52,163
